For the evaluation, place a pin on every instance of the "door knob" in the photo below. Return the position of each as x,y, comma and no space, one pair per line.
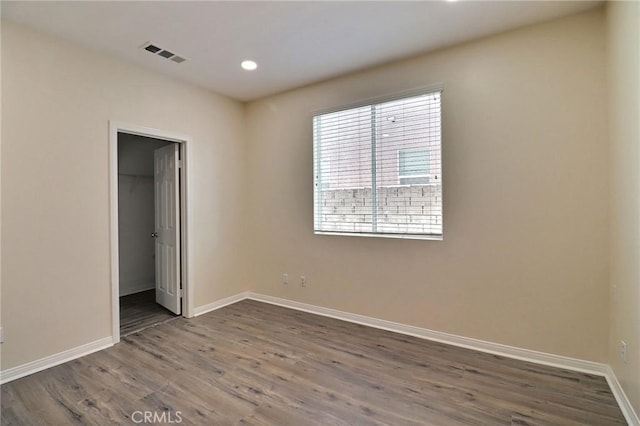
154,235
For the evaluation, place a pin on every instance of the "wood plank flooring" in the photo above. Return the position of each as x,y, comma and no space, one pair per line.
252,363
140,310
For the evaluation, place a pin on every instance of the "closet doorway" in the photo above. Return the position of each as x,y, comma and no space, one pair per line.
148,217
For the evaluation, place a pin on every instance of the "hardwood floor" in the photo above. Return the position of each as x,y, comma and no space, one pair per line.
140,310
256,364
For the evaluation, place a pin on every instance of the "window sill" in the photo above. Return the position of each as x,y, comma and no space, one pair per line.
375,235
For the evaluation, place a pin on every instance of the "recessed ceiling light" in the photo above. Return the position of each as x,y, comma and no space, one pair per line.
249,65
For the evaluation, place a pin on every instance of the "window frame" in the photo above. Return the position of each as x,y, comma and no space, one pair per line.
438,87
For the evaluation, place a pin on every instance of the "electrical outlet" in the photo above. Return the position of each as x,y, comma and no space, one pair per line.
285,279
303,281
623,351
1,335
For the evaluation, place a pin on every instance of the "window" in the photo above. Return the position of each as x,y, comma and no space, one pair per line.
377,169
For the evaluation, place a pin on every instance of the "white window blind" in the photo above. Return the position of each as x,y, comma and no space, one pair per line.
378,169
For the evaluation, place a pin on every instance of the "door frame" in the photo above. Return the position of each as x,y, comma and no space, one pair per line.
184,142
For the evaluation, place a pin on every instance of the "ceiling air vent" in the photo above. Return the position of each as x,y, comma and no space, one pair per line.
153,49
167,54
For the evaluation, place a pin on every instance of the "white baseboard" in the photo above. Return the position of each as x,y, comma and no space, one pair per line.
128,290
53,360
529,355
465,342
140,290
438,336
621,397
200,310
86,349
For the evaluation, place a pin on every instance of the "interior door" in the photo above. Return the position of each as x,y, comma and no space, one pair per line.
167,221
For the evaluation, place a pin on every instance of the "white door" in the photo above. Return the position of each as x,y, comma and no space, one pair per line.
167,234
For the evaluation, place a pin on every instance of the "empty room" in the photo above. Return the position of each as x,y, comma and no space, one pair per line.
320,213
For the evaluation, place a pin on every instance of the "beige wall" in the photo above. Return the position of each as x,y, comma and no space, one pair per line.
524,259
623,23
57,100
1,182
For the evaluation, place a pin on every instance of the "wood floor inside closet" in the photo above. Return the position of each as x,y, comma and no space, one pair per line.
140,310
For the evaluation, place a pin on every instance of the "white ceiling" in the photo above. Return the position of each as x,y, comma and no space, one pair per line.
294,43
